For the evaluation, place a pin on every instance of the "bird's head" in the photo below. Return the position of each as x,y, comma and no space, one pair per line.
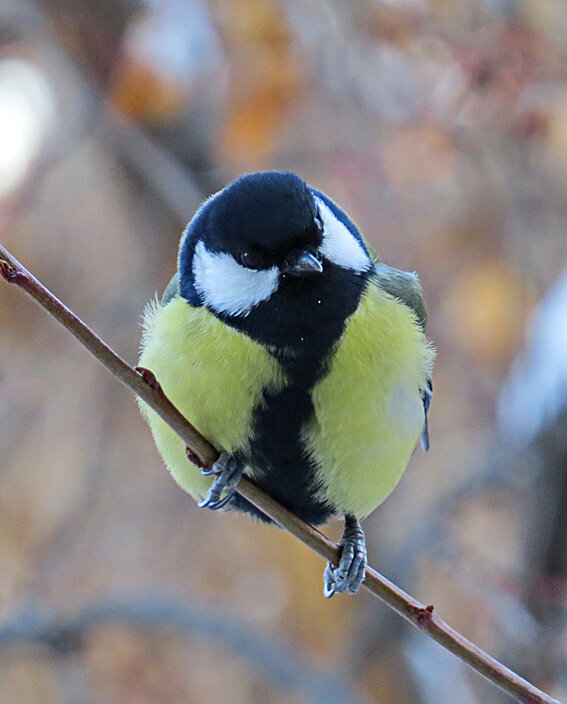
263,231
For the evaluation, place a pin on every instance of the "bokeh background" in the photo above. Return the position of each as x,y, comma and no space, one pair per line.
442,128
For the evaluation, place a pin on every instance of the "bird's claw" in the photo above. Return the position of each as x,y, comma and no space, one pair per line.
351,570
214,502
229,471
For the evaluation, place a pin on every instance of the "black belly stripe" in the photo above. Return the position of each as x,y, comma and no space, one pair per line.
287,473
302,322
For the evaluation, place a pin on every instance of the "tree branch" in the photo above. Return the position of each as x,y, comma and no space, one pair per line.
144,384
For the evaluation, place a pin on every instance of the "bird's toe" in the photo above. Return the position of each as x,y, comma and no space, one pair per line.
329,586
351,570
228,472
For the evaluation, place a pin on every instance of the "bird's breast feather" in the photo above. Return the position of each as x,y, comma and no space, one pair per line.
368,408
212,373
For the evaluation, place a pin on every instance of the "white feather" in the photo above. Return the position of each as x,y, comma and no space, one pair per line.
339,245
406,409
228,287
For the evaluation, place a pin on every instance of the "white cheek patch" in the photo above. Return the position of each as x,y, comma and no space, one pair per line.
228,287
339,245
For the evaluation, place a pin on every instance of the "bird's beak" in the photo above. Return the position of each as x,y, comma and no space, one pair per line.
303,265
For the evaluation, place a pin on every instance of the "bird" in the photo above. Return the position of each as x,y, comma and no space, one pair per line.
298,353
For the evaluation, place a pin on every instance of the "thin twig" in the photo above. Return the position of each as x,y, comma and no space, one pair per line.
144,384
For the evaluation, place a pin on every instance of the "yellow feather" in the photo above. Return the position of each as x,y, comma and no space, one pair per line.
212,373
368,409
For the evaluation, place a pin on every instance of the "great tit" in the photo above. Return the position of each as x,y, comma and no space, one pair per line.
297,353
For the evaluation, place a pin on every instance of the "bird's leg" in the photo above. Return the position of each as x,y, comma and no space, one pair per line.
352,565
228,470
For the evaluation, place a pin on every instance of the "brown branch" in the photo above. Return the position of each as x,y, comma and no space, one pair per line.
144,384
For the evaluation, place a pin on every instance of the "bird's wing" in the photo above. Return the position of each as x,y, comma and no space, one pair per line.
405,286
171,290
426,395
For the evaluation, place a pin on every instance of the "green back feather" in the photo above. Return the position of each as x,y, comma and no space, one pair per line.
402,285
171,290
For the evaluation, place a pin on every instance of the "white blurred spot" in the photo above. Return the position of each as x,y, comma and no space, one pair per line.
177,39
536,390
26,111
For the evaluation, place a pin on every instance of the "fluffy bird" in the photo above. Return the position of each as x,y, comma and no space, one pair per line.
297,353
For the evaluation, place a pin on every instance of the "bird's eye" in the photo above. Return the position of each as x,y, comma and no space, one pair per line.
251,260
319,224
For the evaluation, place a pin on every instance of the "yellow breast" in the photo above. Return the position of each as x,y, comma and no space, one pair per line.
212,373
368,409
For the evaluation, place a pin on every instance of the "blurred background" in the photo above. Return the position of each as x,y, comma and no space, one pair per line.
441,127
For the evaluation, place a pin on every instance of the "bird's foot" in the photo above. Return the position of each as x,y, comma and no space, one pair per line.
229,471
352,565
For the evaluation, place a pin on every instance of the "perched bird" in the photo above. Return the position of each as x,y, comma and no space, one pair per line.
297,353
